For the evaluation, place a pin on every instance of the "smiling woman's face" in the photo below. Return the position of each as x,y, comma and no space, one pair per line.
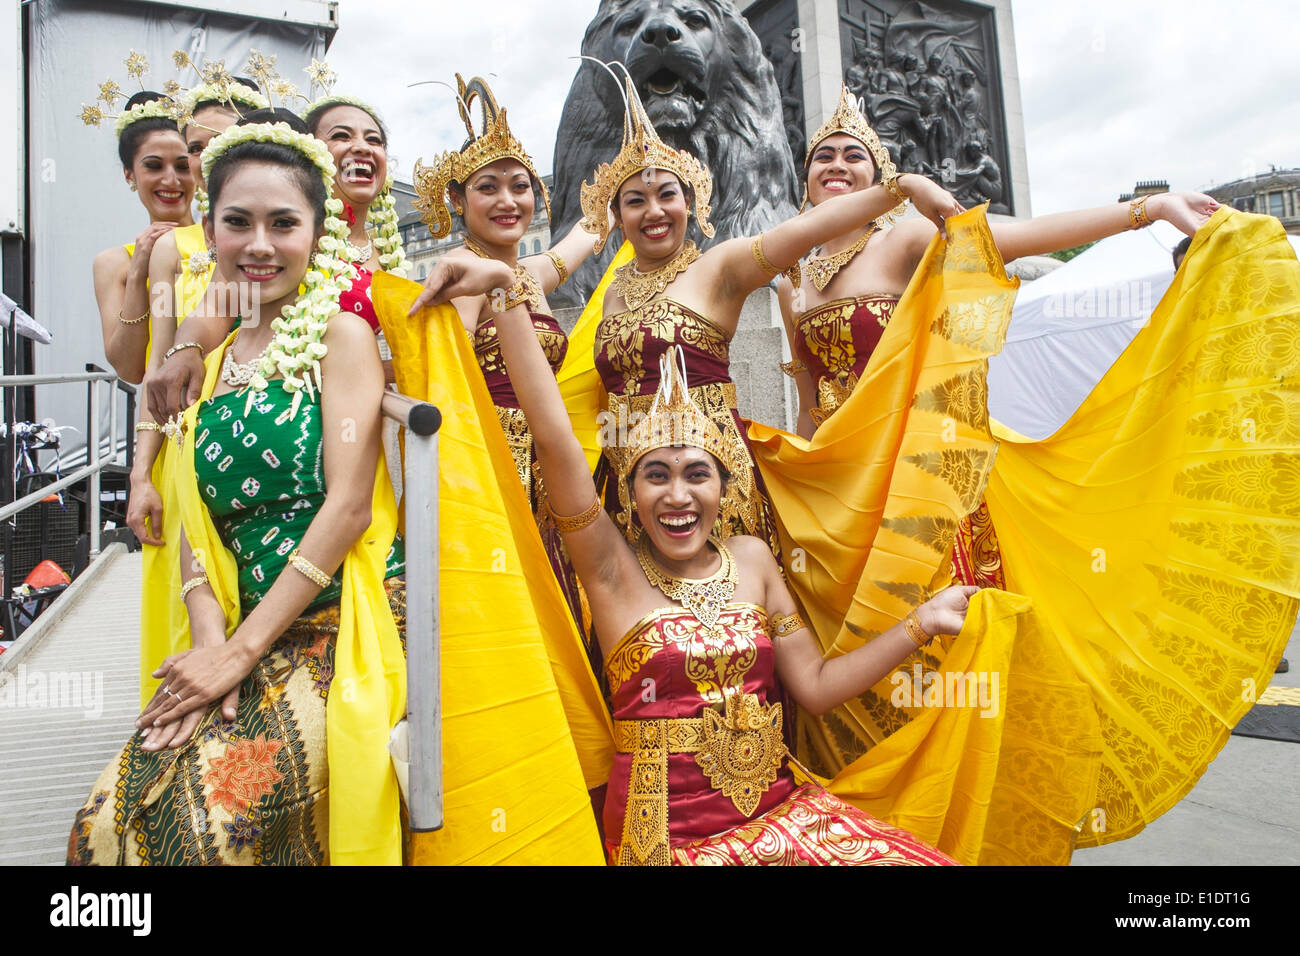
677,492
498,201
360,155
652,212
840,164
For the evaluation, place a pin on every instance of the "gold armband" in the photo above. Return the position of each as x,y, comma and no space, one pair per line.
756,250
125,321
784,624
308,570
144,426
191,584
576,522
507,299
558,261
892,187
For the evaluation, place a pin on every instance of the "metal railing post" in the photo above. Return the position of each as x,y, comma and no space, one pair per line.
423,650
93,462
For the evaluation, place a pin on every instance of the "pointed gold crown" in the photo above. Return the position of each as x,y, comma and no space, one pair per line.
495,142
675,420
848,119
642,150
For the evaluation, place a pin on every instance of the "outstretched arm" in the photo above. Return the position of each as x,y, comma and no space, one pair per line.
572,250
1065,230
818,684
599,555
738,267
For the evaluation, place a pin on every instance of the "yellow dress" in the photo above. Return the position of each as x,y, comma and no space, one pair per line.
525,730
163,633
1155,535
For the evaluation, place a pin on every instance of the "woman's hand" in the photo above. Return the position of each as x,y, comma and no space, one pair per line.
1187,211
454,277
174,733
193,679
931,200
945,613
144,245
176,385
144,512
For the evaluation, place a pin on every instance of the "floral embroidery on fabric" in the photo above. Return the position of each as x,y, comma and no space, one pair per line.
245,774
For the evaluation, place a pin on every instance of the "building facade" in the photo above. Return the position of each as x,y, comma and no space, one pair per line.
1274,193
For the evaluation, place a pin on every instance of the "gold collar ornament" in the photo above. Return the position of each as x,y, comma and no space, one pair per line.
495,142
704,597
637,287
642,150
848,119
822,271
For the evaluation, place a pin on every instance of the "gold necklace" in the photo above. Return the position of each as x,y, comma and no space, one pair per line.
532,288
822,271
703,597
239,374
637,287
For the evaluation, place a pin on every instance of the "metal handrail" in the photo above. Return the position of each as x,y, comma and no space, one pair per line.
423,650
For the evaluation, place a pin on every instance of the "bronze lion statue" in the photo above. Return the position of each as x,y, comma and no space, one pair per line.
708,89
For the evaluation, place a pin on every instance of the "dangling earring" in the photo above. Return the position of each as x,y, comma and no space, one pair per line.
459,210
132,185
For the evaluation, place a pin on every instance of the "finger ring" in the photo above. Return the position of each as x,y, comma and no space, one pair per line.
165,690
178,697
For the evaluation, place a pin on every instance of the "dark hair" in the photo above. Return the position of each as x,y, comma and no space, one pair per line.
128,144
313,117
304,170
235,106
1180,250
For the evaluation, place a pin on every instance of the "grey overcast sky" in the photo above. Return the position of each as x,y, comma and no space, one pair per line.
1113,91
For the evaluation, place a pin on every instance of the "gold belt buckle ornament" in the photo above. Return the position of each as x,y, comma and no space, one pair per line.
741,750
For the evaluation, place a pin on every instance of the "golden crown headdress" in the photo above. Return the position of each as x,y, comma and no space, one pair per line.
674,421
642,150
848,119
493,143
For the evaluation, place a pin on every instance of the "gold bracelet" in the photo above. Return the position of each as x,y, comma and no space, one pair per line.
892,187
912,624
1137,213
784,624
148,427
125,321
756,250
568,525
560,267
182,345
191,584
793,367
309,570
516,295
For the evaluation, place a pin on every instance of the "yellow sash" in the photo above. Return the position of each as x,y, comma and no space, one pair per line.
525,731
367,696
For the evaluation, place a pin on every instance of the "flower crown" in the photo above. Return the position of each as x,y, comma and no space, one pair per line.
137,66
229,93
297,348
642,150
494,143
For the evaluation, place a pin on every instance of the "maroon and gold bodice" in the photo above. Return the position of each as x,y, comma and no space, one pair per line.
701,772
835,340
487,351
628,348
697,729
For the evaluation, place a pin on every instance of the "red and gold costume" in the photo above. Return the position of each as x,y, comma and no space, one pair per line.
701,775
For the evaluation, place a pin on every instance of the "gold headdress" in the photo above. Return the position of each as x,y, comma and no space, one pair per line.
642,149
137,65
848,119
674,421
494,143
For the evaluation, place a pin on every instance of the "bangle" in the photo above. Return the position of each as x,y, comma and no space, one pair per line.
560,267
1137,213
756,250
182,345
125,321
144,426
516,295
793,367
892,187
912,624
568,525
784,624
191,584
309,570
